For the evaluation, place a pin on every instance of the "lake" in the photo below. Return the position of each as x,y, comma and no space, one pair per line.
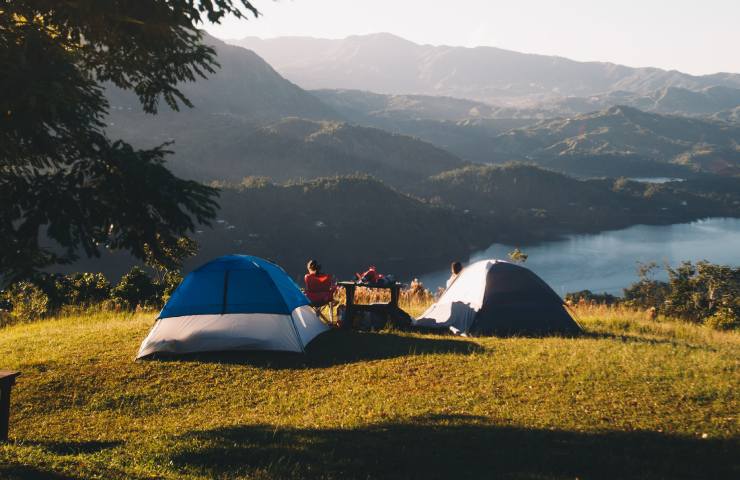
656,179
607,261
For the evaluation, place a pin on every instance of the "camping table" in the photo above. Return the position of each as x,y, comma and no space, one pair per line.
391,308
7,380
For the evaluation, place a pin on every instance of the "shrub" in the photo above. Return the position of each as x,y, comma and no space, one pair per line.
590,297
700,293
27,301
54,286
136,289
5,305
703,290
725,318
169,283
85,289
646,292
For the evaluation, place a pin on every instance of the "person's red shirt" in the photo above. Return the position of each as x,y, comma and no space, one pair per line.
319,287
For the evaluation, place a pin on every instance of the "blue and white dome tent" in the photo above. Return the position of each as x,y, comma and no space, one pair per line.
235,302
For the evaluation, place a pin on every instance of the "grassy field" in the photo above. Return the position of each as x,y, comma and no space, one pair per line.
632,398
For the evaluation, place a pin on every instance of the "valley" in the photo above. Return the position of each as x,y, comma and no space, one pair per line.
418,178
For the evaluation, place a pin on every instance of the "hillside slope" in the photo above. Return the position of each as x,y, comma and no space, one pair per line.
481,73
462,127
359,104
352,222
537,200
598,139
245,85
624,130
632,398
349,223
346,222
668,100
226,147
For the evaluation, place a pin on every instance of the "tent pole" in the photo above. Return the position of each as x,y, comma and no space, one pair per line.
298,335
226,289
575,315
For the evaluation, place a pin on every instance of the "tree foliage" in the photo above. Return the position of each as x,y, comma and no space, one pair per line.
590,297
136,288
702,290
647,292
699,292
82,289
518,256
28,301
65,186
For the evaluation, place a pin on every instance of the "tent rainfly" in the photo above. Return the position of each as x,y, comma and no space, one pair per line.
495,297
236,302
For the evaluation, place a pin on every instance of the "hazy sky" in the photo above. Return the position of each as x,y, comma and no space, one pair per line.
694,36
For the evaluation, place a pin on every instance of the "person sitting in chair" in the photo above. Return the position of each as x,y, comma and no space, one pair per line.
320,288
313,267
455,268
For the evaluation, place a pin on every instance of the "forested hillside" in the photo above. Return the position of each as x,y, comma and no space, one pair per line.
538,200
626,130
354,221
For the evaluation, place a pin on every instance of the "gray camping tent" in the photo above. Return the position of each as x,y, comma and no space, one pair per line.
494,297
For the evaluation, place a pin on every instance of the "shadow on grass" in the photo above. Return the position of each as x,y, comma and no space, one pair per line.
449,447
75,448
82,470
25,472
634,338
338,347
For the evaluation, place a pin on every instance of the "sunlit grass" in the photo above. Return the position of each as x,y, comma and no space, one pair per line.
633,397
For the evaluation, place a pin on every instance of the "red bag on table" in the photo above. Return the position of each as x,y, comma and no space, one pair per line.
370,276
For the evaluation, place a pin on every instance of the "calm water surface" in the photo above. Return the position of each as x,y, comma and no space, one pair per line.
606,262
656,179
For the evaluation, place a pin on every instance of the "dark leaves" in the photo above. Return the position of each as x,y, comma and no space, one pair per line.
65,187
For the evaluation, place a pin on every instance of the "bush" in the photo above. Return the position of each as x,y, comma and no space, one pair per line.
85,289
726,318
169,284
702,291
54,286
27,301
136,289
647,292
590,297
5,305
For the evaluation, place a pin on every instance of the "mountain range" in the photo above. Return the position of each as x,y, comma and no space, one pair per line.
425,186
218,147
385,63
244,85
627,130
641,142
249,120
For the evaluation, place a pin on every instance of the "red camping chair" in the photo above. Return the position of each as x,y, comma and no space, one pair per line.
320,290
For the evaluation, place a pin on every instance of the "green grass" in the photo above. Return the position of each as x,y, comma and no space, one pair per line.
632,398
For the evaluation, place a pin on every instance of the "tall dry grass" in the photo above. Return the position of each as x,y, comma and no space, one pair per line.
414,299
